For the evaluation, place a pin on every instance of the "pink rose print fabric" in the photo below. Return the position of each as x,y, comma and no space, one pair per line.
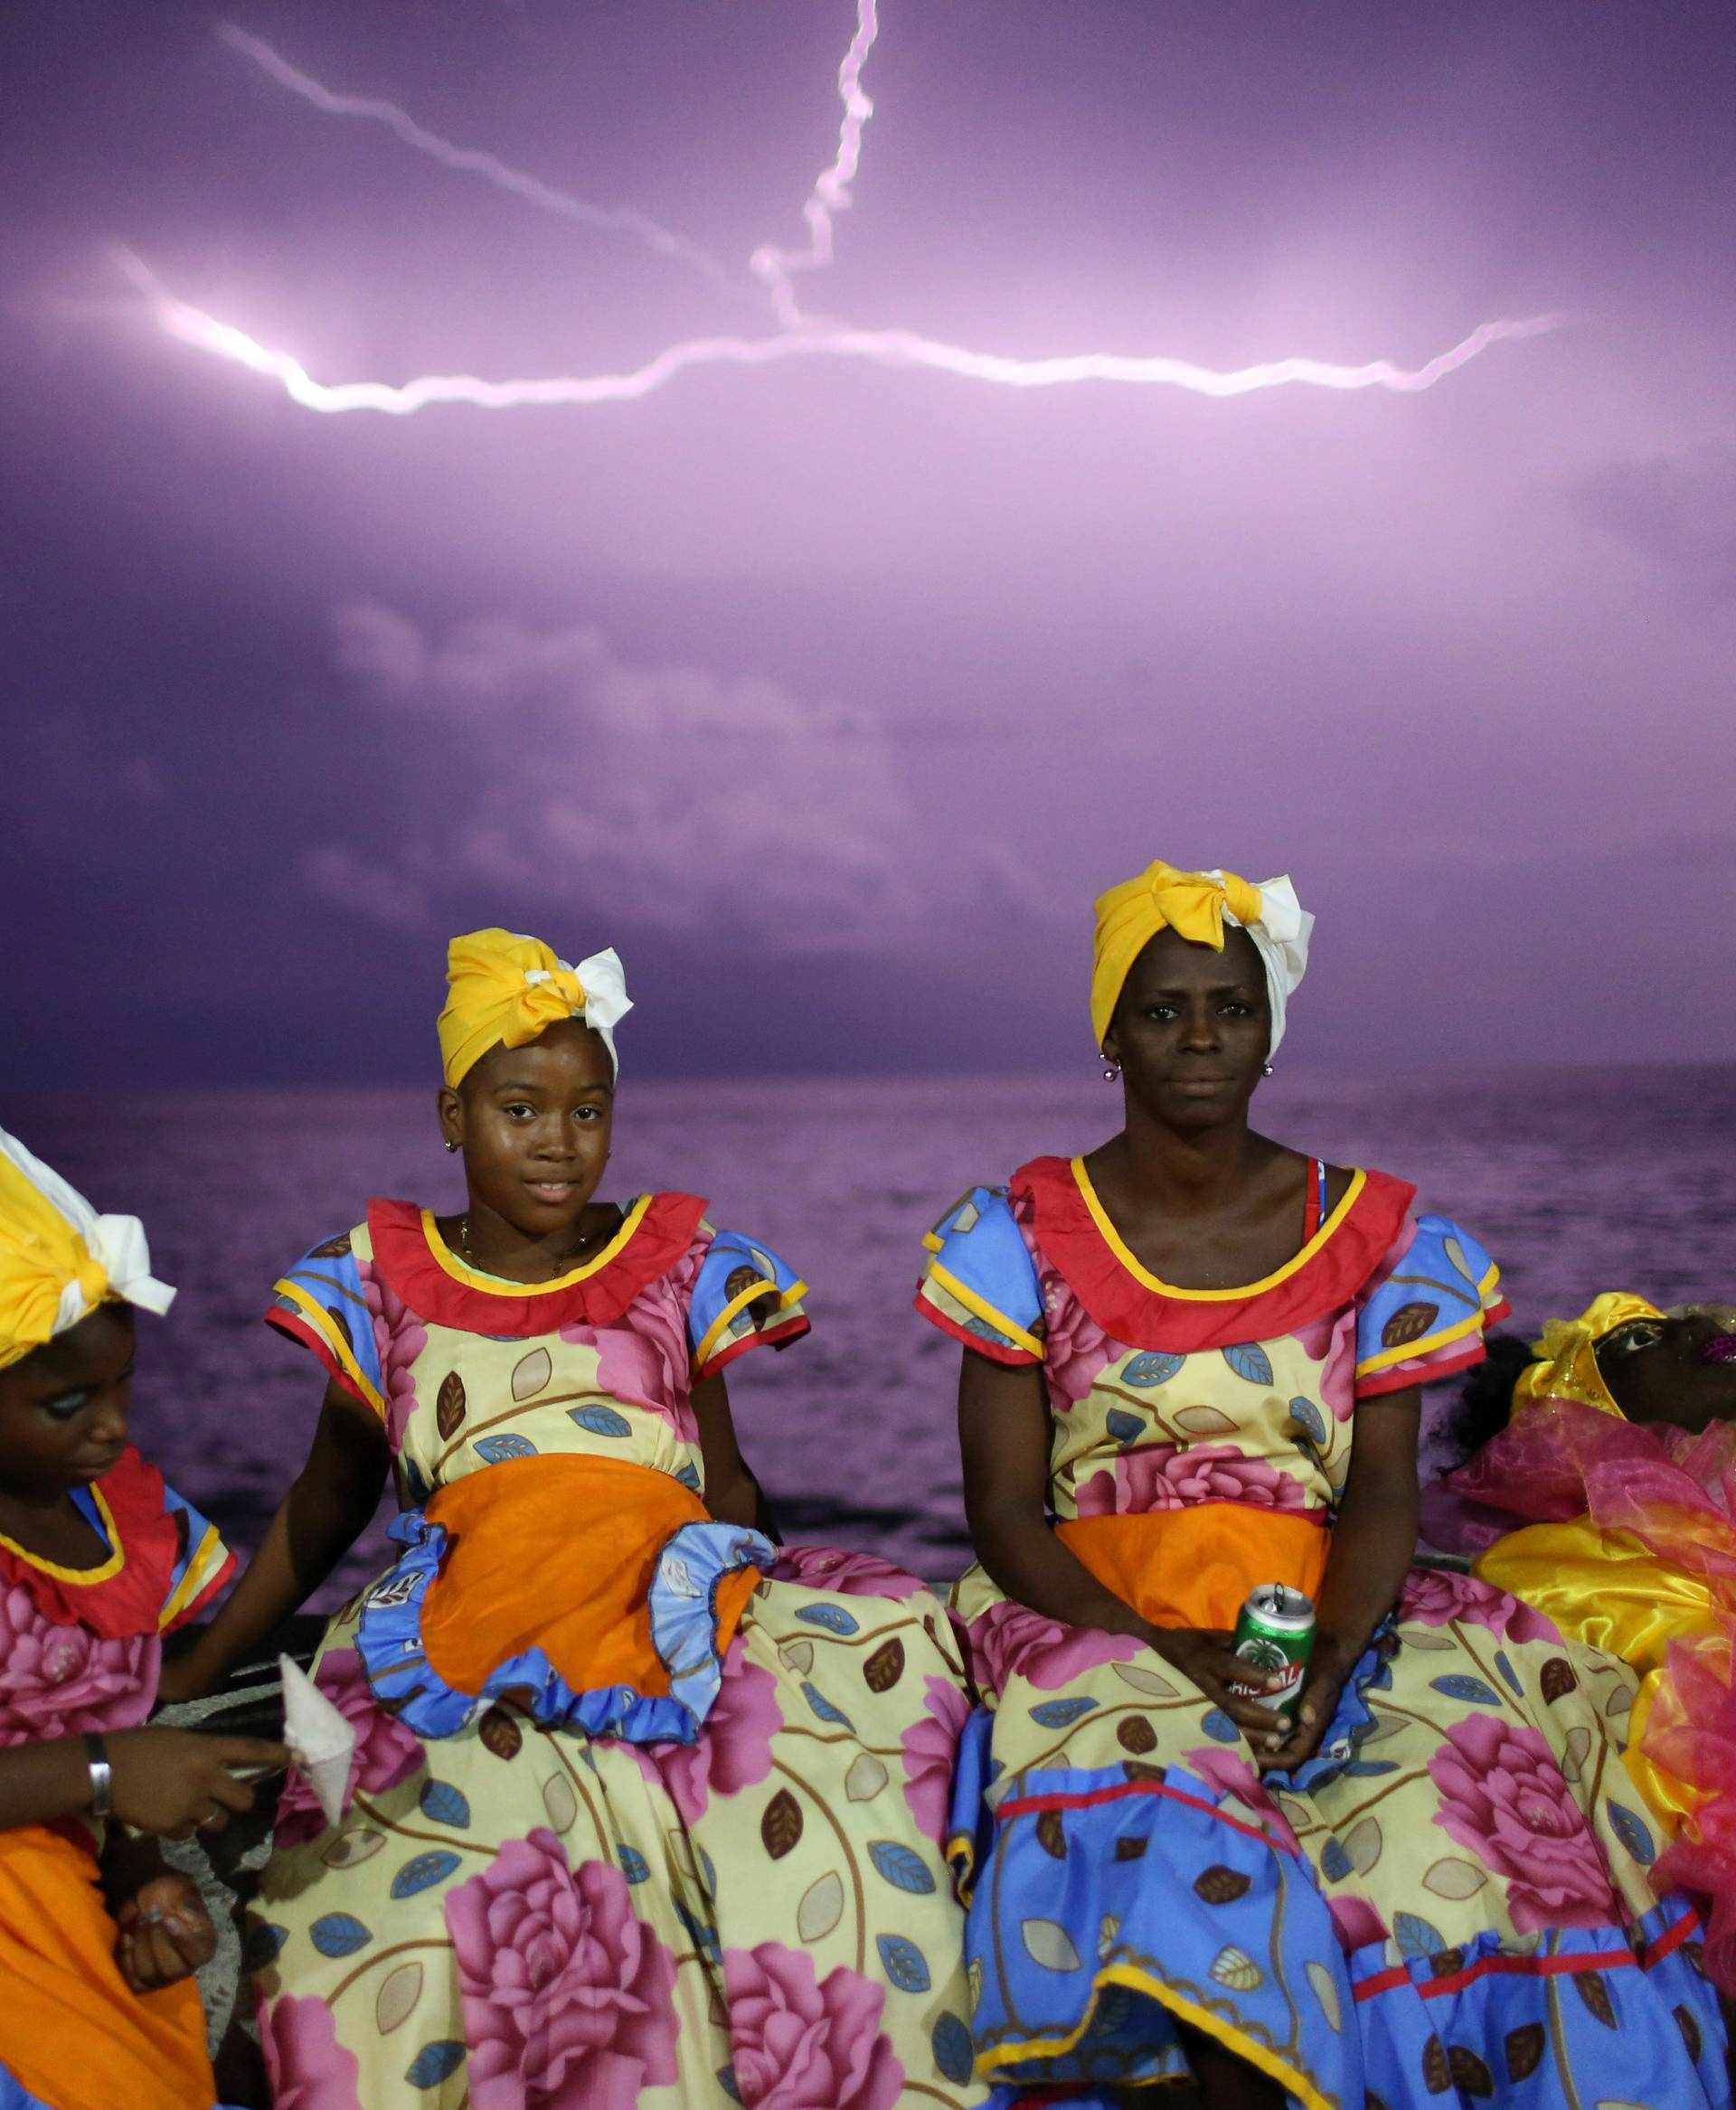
930,1747
845,1574
567,1996
65,1680
805,2044
1503,1795
735,1750
1434,1596
307,2067
1159,1476
385,1754
400,1337
1010,1640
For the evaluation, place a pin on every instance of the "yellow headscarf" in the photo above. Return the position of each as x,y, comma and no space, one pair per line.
1197,904
59,1259
1567,1364
503,990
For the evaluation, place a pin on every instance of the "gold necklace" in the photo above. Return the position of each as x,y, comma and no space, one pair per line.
555,1268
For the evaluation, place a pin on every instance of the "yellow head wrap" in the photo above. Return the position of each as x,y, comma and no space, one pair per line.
59,1259
1567,1365
503,990
1197,904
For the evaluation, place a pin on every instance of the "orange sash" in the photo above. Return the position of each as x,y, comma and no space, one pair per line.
71,2033
558,1552
1195,1567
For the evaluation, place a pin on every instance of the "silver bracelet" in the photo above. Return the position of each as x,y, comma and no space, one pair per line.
102,1777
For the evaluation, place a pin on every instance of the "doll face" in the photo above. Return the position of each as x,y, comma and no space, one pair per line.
63,1408
1191,1030
1677,1370
533,1124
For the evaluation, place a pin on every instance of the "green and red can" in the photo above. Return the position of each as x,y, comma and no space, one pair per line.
1275,1632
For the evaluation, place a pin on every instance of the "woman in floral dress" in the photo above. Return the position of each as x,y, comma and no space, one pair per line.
643,1811
1199,1353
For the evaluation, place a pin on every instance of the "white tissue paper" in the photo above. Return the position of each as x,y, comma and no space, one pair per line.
322,1741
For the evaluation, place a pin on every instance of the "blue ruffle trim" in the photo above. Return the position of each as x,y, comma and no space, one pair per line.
683,1606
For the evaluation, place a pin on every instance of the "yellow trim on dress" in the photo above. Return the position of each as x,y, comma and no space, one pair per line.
1413,1351
1118,1246
320,1318
1260,2056
762,1285
933,1243
197,1577
498,1286
980,1307
109,1569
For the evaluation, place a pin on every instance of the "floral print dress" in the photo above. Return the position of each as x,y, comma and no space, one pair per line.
1452,1902
80,1652
732,1891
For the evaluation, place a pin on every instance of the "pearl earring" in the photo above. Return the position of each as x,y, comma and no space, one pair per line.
1266,1069
1112,1070
450,1145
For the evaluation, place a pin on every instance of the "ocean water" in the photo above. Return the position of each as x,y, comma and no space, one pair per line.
1577,1181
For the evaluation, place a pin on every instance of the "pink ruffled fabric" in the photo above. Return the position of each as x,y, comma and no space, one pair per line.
1676,1493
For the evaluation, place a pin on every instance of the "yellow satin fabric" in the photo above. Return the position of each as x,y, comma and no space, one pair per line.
39,1253
1128,917
1607,1590
493,1002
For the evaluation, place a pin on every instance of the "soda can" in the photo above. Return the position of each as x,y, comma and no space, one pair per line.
1275,1632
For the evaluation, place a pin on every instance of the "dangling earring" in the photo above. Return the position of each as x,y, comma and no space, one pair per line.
1112,1070
450,1145
1266,1069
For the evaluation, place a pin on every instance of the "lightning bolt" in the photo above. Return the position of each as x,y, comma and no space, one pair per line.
800,334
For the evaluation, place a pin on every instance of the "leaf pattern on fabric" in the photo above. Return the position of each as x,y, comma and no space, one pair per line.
1052,1835
498,1732
1134,1733
953,2050
1219,1885
1049,1945
1410,1322
600,1421
1325,1990
900,1866
339,1934
1060,1714
1416,1937
1249,1360
449,1406
1557,1678
1595,1993
903,1962
1144,1681
1234,1968
1455,1878
865,1778
1470,2076
396,2001
1524,2050
495,1450
435,2063
633,1863
834,1618
423,1871
1458,1686
885,1667
531,1373
1125,1427
1142,1372
821,1909
442,1804
781,1825
824,1708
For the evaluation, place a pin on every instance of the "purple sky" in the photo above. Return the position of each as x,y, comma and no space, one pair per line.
832,694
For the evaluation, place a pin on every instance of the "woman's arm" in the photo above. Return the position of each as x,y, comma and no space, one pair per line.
1004,1435
732,1495
1373,1543
326,1510
164,1780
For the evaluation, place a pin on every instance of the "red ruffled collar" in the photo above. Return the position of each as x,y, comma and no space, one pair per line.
124,1595
442,1290
1134,1307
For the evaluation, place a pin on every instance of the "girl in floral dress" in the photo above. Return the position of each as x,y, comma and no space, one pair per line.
644,1812
1199,1353
99,1939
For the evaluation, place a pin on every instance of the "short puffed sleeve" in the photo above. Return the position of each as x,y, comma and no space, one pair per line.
981,1283
744,1297
321,1302
1423,1316
202,1564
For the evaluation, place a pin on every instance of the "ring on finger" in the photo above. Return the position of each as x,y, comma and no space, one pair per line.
213,1817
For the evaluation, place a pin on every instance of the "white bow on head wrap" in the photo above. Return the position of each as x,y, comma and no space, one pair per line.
59,1259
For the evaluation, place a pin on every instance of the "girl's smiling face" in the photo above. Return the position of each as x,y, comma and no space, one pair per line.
63,1408
533,1124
